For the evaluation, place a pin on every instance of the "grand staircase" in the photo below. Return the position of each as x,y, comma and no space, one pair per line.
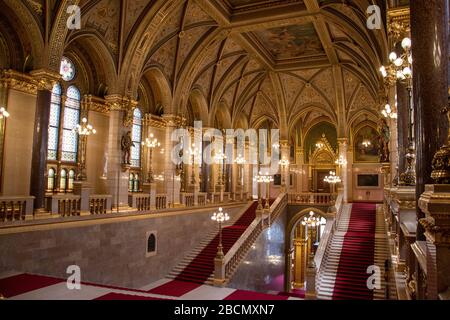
359,241
198,265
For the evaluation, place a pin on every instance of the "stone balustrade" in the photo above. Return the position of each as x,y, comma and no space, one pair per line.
100,204
16,209
64,205
161,202
188,199
311,198
202,198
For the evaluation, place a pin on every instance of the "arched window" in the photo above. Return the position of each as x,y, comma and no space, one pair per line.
71,120
67,69
131,183
51,180
137,139
63,181
136,183
71,180
53,129
151,244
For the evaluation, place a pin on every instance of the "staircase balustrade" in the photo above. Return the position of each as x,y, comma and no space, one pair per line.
16,209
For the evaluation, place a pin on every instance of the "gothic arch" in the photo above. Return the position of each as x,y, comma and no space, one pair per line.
160,87
199,106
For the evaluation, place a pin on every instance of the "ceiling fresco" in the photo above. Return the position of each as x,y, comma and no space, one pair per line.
290,42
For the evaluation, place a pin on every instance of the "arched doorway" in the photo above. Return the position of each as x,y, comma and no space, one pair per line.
303,235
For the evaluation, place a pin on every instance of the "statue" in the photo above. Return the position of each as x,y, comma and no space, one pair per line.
385,137
126,145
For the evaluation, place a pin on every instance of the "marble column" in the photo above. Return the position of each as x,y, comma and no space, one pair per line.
343,146
172,181
285,150
3,103
402,121
429,35
45,81
350,177
248,172
118,172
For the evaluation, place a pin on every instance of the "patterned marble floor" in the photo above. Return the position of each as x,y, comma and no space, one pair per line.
34,287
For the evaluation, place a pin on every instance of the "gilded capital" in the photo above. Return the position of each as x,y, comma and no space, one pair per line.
45,79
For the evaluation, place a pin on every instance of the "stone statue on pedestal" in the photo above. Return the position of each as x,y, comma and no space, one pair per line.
385,137
126,145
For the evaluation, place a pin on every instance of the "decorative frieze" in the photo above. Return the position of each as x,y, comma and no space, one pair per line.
96,104
18,81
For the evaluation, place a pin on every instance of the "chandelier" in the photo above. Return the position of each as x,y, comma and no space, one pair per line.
366,143
387,112
399,68
84,129
320,145
3,113
332,178
341,161
313,221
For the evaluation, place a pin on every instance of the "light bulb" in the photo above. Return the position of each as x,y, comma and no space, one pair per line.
407,71
406,43
398,62
392,56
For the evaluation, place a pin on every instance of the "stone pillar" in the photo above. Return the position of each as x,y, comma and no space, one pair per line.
435,203
248,173
349,174
118,172
172,182
46,80
285,150
343,146
429,33
311,271
3,103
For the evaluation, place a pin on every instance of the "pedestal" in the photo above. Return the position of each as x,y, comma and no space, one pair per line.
435,203
311,279
219,272
150,188
84,190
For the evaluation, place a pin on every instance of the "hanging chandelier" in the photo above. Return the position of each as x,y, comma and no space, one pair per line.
332,178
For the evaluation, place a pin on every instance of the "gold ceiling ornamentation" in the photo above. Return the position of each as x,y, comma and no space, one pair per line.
399,25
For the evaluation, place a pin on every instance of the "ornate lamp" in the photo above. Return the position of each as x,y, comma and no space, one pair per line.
400,69
441,160
151,143
240,161
220,217
3,113
84,130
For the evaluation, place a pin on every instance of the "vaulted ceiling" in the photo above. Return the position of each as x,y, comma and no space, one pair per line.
290,61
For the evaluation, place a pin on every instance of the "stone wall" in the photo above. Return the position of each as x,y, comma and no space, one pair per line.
109,251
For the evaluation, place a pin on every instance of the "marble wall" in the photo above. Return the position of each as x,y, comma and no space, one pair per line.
18,144
262,270
108,251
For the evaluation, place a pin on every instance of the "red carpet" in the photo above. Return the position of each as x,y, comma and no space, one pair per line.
249,295
23,283
200,269
357,255
175,288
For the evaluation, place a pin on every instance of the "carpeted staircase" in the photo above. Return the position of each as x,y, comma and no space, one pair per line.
359,242
198,266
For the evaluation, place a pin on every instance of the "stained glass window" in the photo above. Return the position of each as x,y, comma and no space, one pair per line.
53,129
63,181
71,120
131,183
71,179
137,139
51,180
67,70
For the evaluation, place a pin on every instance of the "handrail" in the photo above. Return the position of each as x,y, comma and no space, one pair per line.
237,252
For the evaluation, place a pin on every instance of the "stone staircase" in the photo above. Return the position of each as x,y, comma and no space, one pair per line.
207,240
327,276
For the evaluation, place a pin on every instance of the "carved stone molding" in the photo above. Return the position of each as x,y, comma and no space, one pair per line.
96,104
45,79
435,202
18,81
